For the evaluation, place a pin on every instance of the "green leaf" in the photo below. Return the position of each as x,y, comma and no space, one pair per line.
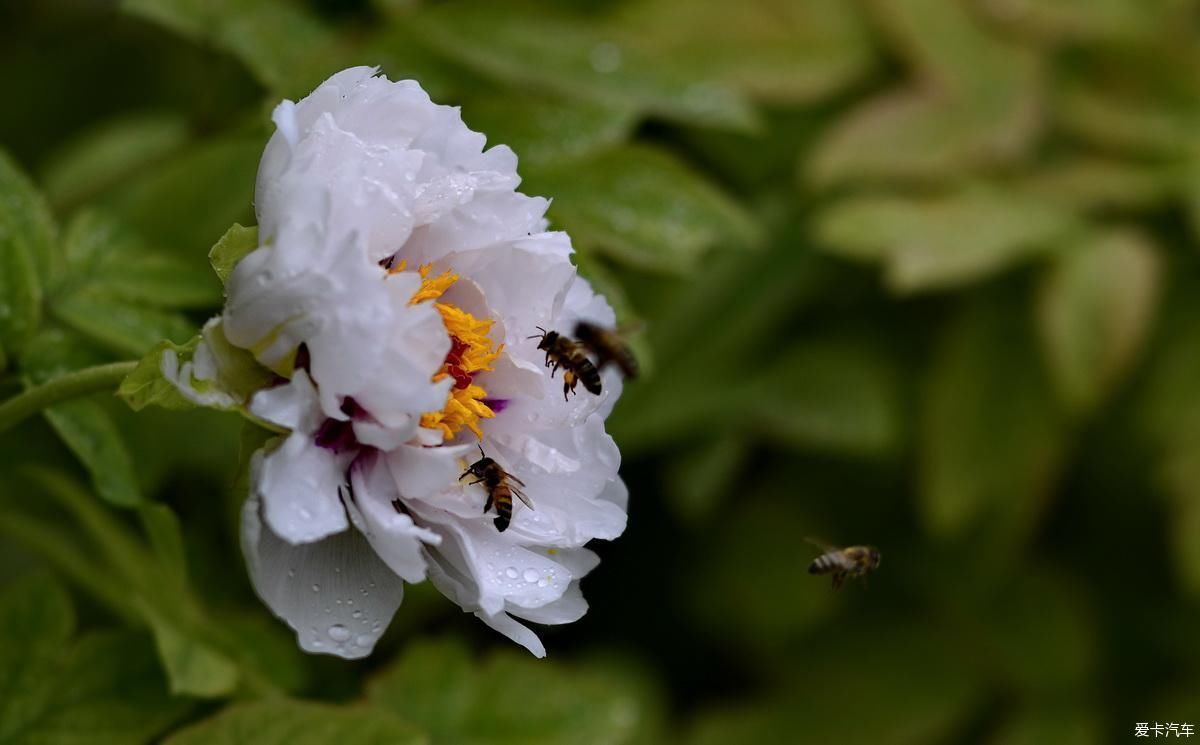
286,48
108,259
839,395
194,668
185,200
55,351
1095,307
537,45
90,433
992,435
92,163
298,723
944,241
1136,122
26,250
774,50
643,207
146,385
920,135
120,325
1102,184
1081,20
104,689
231,248
974,105
36,622
161,525
543,131
83,424
235,374
435,686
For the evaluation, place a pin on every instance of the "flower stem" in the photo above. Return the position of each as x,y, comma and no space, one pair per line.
72,385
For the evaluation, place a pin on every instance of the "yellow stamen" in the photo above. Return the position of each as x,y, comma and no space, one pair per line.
471,352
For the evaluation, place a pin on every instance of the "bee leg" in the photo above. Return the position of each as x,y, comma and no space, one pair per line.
838,579
488,505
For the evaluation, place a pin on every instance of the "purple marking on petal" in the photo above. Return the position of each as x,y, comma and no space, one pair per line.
351,409
496,404
336,435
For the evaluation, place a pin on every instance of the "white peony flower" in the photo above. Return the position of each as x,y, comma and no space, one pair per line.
398,279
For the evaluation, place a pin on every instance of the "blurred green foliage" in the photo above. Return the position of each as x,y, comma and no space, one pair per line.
922,274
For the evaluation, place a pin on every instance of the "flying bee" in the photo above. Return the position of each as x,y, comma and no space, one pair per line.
851,561
500,485
608,346
562,351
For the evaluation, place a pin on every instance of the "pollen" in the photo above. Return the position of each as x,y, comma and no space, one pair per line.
471,352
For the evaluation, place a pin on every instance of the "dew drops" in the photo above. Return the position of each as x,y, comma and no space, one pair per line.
511,573
357,614
543,582
530,575
316,588
291,572
363,640
339,633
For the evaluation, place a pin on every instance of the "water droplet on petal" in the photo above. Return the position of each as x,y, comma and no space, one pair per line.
357,614
316,588
512,572
339,633
530,575
363,640
291,572
543,582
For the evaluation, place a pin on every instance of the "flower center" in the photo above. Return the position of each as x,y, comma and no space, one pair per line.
471,352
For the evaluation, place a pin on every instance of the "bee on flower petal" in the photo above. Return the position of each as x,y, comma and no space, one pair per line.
851,561
562,351
608,346
500,485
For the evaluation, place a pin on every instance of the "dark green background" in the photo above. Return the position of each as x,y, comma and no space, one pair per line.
921,274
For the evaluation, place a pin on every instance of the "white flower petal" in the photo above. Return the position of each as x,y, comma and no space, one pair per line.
335,593
501,569
298,484
569,608
392,533
519,633
421,472
292,405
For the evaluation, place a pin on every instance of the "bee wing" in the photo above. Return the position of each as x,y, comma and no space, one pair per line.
521,495
514,479
825,547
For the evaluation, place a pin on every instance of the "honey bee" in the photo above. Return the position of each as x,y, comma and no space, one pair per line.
499,489
562,351
608,346
851,561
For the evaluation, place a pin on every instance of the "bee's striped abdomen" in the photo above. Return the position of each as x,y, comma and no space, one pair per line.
502,500
828,563
588,375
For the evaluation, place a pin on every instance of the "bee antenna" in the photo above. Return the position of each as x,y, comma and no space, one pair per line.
481,453
536,336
